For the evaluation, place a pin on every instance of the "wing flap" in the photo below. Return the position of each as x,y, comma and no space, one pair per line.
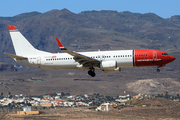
16,56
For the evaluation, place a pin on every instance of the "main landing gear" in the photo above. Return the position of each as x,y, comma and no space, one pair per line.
91,72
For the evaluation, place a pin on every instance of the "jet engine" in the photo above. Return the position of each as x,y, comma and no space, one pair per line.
108,65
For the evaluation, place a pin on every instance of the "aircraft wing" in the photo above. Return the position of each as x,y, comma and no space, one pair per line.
81,59
15,56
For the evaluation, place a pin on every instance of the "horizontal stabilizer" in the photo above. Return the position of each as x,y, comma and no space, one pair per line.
15,56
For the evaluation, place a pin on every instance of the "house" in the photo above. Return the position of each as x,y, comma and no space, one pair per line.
47,104
36,98
104,107
137,96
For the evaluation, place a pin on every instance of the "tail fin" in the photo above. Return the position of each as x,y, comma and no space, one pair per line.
21,45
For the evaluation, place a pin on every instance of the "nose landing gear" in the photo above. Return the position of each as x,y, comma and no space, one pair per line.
158,70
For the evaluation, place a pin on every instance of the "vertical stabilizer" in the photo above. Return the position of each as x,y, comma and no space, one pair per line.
21,45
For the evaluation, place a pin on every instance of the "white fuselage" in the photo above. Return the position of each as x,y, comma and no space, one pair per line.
64,61
107,61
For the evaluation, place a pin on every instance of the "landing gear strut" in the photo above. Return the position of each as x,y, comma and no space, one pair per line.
158,70
91,72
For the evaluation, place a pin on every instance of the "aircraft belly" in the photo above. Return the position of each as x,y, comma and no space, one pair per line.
59,65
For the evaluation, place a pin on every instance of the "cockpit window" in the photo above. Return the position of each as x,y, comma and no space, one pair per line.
164,54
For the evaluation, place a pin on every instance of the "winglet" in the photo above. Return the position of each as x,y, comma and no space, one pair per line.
12,28
60,45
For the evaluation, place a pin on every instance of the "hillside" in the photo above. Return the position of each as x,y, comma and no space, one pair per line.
7,67
175,19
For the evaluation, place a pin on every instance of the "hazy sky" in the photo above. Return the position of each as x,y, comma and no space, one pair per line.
163,8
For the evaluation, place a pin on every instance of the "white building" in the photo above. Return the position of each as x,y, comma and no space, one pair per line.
27,108
35,98
104,107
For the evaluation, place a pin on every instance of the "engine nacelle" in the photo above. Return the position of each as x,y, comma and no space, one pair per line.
112,70
108,64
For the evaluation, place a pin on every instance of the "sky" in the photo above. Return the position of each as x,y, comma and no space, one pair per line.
162,8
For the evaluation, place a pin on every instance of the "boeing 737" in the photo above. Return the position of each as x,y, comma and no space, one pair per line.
107,61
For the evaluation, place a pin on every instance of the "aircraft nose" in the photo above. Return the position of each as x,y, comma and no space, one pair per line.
171,58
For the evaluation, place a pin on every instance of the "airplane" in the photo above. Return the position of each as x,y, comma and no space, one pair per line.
107,61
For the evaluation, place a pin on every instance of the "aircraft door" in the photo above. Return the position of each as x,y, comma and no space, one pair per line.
38,60
154,55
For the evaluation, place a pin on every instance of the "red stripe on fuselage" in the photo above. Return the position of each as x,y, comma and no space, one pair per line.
151,58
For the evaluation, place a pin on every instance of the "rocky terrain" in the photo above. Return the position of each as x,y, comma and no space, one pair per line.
4,67
155,86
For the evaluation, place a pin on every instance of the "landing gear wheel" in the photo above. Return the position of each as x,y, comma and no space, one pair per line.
91,73
158,70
